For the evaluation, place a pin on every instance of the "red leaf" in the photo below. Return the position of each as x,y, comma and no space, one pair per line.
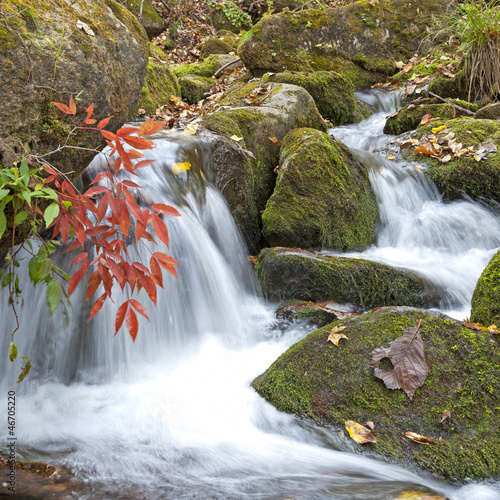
166,209
109,135
95,190
104,122
156,271
94,282
97,306
74,245
130,184
139,308
132,323
150,127
102,207
120,316
137,142
72,105
134,154
116,270
118,164
140,229
127,163
79,258
124,131
64,228
143,163
100,176
165,260
63,108
73,282
160,229
88,120
134,207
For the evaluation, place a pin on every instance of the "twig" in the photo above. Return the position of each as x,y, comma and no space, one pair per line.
238,59
447,101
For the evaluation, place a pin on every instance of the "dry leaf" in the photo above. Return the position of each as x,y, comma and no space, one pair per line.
473,326
370,424
446,415
418,438
236,138
335,337
409,359
418,495
85,27
435,130
190,129
391,157
425,119
359,433
445,159
177,168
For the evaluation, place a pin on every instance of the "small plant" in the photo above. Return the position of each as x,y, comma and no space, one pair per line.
234,14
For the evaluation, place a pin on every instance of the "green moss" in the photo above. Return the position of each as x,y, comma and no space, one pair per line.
205,68
486,297
331,385
220,45
322,197
451,87
286,274
193,88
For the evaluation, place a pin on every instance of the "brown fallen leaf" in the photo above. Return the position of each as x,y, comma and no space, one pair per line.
418,438
446,415
359,433
335,336
409,359
370,424
426,119
473,326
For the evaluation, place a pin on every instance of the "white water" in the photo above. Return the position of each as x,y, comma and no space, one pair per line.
173,416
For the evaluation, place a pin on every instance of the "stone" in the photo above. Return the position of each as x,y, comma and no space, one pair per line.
486,298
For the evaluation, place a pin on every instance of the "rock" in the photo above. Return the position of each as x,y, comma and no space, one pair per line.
409,117
489,112
150,19
159,85
206,68
323,197
456,87
360,40
46,57
486,297
226,15
465,175
194,87
218,45
330,385
286,274
332,93
244,169
299,310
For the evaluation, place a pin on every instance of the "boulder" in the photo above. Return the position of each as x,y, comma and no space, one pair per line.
323,197
362,40
486,297
456,87
300,310
286,274
47,57
194,87
333,93
489,112
218,45
227,15
331,385
206,68
465,175
149,17
244,168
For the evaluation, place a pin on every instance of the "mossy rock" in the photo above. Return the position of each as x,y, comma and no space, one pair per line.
150,19
300,310
477,179
361,112
370,37
227,15
206,68
323,197
194,88
159,85
286,274
330,385
333,93
486,297
489,112
456,87
219,45
409,117
244,169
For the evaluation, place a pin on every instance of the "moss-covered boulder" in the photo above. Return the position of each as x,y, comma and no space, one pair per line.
244,169
147,15
206,68
333,93
218,45
227,15
486,297
159,85
330,385
323,197
489,112
370,36
301,310
194,87
286,274
409,117
465,175
456,87
46,57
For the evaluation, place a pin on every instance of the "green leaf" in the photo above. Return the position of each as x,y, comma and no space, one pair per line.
4,193
27,196
51,212
50,246
26,369
3,220
20,217
12,351
54,295
23,169
32,267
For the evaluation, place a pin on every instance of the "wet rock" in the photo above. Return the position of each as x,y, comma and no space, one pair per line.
486,297
297,310
330,385
194,87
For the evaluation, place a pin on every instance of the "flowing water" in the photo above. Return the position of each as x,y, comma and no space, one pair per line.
173,415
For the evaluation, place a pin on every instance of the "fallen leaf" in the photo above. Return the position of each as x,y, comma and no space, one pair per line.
236,138
409,359
425,119
473,326
391,157
177,168
445,159
446,415
85,27
399,64
370,424
435,130
335,337
418,495
425,149
275,140
190,129
359,433
418,438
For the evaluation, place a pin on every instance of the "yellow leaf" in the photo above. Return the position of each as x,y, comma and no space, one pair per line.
190,129
418,438
177,168
418,495
438,129
391,157
359,433
236,138
334,338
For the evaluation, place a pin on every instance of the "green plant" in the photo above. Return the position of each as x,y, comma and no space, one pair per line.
477,26
234,14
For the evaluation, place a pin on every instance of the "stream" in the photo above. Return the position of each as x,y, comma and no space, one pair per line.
173,416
